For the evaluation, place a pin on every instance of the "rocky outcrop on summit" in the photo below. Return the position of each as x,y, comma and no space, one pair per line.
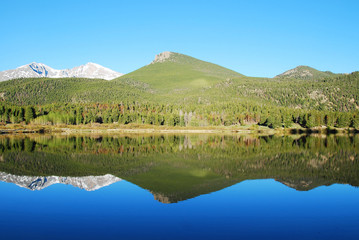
161,198
37,70
89,183
162,57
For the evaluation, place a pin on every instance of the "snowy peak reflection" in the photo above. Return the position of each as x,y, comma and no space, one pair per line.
88,183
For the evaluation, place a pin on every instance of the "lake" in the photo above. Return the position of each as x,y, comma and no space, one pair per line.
179,187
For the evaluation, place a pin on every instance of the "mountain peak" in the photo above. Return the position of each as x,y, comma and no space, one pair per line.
94,70
304,72
162,57
172,70
94,64
40,68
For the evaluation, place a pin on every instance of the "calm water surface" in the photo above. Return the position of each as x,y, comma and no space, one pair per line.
179,187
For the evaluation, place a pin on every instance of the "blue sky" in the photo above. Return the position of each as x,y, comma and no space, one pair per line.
255,38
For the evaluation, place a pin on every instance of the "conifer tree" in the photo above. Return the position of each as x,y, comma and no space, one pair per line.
29,114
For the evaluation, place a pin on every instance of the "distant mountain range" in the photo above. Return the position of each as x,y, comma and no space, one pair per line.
174,78
93,70
37,70
88,183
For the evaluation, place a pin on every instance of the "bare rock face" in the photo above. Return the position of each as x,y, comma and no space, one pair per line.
89,183
161,198
162,57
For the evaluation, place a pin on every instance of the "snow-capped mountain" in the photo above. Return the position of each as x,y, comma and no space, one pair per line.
93,70
35,70
89,183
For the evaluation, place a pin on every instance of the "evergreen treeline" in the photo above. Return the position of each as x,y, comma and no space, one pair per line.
176,115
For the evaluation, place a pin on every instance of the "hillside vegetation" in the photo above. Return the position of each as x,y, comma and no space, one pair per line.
305,72
176,89
175,72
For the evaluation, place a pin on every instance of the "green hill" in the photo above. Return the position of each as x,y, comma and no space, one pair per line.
174,71
176,89
305,72
174,78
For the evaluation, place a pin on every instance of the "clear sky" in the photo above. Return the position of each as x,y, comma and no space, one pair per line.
255,38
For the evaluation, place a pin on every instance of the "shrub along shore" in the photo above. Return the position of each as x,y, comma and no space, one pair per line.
147,128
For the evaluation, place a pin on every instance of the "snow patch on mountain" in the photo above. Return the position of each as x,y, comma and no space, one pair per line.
95,71
37,70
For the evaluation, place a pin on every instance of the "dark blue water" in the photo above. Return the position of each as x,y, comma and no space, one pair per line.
253,209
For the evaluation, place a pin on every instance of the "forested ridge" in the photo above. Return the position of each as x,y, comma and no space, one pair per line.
184,91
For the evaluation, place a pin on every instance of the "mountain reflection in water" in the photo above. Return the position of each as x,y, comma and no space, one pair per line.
178,167
88,183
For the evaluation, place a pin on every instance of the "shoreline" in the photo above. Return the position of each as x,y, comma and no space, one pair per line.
143,129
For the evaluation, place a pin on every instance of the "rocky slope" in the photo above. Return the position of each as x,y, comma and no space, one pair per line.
37,70
305,72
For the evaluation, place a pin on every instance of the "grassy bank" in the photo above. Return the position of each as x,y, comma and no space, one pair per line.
146,128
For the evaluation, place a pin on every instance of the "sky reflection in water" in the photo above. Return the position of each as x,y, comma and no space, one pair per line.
253,209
